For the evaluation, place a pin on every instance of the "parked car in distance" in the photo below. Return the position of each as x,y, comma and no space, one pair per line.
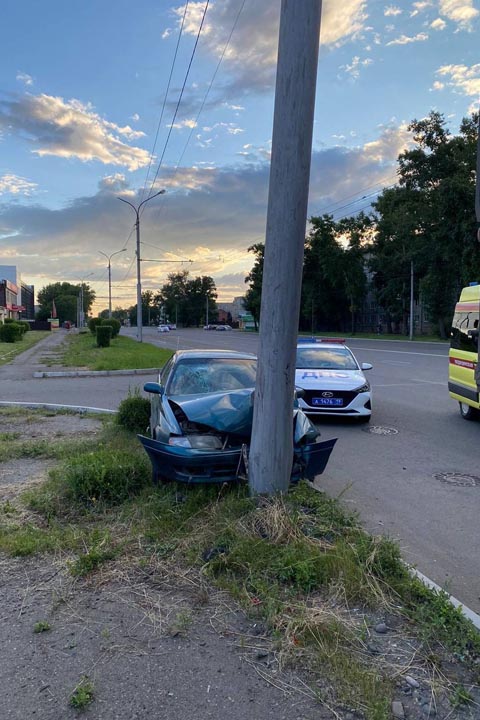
163,328
332,380
201,420
209,327
172,326
223,327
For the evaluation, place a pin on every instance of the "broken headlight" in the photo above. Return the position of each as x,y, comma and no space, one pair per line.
196,442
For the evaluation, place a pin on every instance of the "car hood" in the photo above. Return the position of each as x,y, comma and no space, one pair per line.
330,379
230,412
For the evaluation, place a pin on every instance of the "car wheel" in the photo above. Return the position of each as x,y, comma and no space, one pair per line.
468,412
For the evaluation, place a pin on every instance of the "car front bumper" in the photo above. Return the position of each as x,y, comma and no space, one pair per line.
187,465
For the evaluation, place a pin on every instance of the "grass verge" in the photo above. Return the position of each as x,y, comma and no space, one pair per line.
81,351
10,350
299,564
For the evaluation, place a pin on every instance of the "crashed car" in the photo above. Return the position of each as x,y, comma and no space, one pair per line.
201,420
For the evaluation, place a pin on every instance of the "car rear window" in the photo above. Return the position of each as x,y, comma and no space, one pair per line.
198,376
325,359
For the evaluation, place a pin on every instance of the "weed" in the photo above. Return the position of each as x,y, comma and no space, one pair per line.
460,697
100,552
41,626
83,695
181,623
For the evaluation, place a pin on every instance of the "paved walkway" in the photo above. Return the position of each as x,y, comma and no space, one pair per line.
17,383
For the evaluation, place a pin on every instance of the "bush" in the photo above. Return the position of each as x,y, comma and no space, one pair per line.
9,321
134,414
104,335
25,325
114,324
107,475
93,324
10,332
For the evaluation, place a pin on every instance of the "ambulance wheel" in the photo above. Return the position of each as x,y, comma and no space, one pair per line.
468,412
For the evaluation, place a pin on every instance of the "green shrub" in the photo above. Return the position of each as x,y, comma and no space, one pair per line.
106,475
93,323
9,332
9,321
104,335
134,413
114,324
25,325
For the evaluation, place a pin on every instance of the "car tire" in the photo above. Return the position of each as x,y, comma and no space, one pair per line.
468,412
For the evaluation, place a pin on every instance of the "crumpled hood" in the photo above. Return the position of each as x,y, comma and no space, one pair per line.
230,412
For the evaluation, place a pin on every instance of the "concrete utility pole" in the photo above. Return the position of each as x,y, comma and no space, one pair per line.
477,213
139,281
109,258
412,302
271,450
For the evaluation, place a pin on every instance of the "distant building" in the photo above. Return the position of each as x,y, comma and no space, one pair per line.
235,308
16,297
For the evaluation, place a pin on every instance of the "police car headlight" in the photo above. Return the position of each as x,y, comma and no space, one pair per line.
363,388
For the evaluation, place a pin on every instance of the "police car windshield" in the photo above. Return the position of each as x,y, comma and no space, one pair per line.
319,358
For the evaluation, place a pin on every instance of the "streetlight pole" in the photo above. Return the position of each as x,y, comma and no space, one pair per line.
81,315
109,258
139,282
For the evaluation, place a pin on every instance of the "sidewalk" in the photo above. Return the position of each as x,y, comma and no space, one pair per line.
18,384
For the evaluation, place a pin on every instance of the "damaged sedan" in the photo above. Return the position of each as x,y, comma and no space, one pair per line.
201,421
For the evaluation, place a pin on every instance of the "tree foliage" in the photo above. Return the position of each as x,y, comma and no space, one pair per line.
65,295
183,299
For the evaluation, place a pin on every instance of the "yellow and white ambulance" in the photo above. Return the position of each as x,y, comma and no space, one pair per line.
463,355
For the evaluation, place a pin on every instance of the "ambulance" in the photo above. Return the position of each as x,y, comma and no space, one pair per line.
463,354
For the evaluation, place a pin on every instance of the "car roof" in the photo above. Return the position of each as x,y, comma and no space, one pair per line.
207,354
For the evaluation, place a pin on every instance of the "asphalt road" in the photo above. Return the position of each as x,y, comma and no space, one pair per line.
389,478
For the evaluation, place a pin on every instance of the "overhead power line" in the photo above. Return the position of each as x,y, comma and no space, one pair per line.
179,99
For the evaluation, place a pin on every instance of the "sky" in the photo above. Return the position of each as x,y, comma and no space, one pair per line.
108,100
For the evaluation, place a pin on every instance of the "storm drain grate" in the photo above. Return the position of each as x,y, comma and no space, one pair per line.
381,430
461,479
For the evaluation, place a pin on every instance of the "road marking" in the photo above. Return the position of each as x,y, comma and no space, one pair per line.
395,362
430,382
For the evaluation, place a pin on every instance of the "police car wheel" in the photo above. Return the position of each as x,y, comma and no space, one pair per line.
467,412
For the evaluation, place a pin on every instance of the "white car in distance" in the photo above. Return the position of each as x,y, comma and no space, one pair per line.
163,328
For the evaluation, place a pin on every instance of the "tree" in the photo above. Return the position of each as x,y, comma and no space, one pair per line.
253,296
65,296
185,300
430,219
334,282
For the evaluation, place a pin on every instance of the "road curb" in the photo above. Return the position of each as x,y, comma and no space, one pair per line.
469,614
54,406
93,373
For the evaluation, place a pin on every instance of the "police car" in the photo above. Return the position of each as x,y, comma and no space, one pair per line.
331,379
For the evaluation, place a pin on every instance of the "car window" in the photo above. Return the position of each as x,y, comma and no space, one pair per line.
205,375
325,359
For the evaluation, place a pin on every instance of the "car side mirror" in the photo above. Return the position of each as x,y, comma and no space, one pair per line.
366,366
153,387
300,392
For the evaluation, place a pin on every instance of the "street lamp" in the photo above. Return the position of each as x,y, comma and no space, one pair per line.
109,258
139,282
81,314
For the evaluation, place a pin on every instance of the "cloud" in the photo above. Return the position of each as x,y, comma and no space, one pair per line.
211,215
70,129
405,39
464,79
135,117
438,24
354,68
16,185
461,12
24,77
250,59
187,123
392,11
437,85
419,7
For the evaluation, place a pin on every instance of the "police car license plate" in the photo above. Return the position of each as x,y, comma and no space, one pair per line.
336,402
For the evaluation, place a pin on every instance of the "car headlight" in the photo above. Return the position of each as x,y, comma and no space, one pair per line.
363,388
196,442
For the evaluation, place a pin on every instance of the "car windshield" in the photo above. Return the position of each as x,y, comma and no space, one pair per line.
205,375
325,359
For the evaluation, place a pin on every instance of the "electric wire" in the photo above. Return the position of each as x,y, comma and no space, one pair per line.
164,100
179,99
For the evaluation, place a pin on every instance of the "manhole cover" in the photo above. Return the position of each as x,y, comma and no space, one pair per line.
381,430
458,479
